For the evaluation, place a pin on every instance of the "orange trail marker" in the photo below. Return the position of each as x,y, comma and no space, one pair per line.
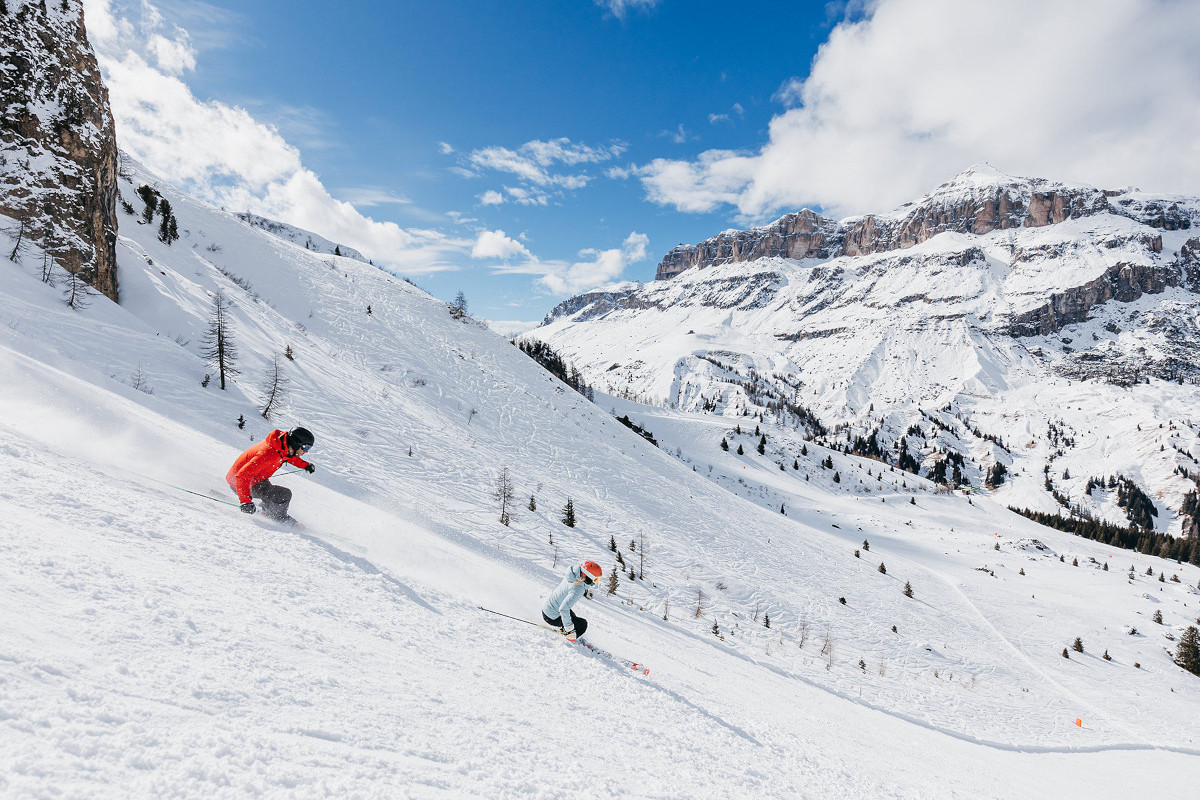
1078,723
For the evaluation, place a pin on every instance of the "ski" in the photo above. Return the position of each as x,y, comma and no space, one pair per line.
635,666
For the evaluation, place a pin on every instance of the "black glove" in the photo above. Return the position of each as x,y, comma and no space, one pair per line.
248,508
310,469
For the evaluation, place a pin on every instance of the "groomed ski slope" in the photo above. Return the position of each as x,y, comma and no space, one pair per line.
156,643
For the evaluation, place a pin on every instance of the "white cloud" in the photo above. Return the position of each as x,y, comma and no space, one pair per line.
491,198
618,8
594,269
367,196
220,152
497,244
174,56
897,102
444,148
679,135
713,119
531,161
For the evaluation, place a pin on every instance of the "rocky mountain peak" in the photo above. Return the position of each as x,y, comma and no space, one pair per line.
977,201
58,151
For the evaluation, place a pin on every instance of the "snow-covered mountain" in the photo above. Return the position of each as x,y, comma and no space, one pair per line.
1054,329
155,642
162,643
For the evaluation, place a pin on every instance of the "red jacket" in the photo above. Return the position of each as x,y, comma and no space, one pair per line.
259,463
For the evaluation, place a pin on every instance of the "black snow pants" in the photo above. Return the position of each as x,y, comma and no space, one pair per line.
579,623
275,499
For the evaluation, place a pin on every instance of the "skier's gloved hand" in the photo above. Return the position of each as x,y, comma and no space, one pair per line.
248,508
310,469
570,634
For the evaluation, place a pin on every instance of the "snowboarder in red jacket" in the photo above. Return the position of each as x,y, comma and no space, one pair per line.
249,476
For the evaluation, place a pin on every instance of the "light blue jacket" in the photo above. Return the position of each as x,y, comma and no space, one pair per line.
559,603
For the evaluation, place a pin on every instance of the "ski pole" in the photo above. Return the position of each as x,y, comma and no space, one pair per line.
518,619
189,491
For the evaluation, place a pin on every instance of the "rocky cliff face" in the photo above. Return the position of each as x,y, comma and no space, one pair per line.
58,152
978,201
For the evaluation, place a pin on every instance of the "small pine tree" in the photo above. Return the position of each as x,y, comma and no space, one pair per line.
568,518
1022,571
866,545
782,510
795,464
287,353
504,492
1074,561
740,451
894,629
1065,654
804,449
274,388
856,554
862,665
716,631
1077,646
766,620
762,445
1106,656
532,503
1105,566
837,477
1187,654
912,500
241,419
613,581
1161,578
1158,617
458,309
218,343
612,543
724,444
908,590
620,560
882,568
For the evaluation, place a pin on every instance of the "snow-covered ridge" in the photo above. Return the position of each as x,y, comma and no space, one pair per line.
298,236
976,326
979,200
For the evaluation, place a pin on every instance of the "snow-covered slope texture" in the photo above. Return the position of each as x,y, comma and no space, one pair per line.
157,643
306,239
1064,343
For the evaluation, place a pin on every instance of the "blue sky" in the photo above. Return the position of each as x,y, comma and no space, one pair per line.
525,151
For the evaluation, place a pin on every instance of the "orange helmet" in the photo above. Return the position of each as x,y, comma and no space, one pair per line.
591,570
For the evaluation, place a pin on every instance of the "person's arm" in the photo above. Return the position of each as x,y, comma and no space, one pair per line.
564,609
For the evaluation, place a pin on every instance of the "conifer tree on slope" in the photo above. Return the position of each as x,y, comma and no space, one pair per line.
218,340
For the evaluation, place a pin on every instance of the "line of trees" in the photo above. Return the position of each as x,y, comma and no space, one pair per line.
1142,541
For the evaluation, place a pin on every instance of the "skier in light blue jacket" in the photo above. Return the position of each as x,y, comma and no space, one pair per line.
557,611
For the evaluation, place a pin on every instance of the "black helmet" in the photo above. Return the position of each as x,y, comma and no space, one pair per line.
300,439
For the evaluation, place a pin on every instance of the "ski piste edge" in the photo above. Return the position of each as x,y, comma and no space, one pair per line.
634,665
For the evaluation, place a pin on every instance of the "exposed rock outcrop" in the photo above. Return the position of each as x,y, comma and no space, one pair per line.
1124,283
1189,264
977,202
58,151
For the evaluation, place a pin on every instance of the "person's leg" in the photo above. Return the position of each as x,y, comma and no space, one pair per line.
275,499
579,623
553,623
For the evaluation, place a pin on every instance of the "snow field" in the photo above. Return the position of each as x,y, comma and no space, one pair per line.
350,659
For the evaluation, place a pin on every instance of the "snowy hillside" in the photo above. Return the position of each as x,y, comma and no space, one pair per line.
161,644
1066,348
